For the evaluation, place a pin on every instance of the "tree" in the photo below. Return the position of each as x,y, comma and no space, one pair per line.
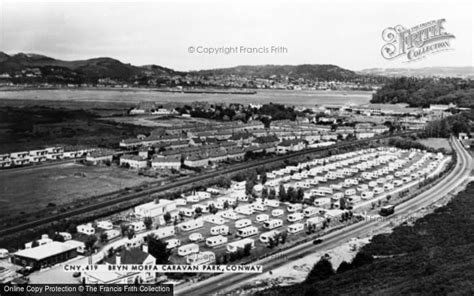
291,194
342,203
284,235
321,270
388,197
157,248
247,249
361,258
72,229
103,237
344,266
90,241
271,243
224,182
282,193
226,205
198,211
300,195
272,194
148,221
124,229
263,178
130,233
167,217
264,193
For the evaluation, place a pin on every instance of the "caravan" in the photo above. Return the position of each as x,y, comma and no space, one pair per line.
262,218
295,228
215,241
277,213
242,223
294,207
315,221
272,224
310,211
163,232
247,231
295,217
367,195
202,258
188,249
349,192
272,203
191,225
173,243
240,244
220,230
187,212
266,236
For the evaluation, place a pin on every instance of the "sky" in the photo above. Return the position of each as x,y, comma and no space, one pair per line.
179,34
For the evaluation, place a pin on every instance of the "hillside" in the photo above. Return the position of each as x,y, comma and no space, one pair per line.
462,72
432,257
309,72
34,68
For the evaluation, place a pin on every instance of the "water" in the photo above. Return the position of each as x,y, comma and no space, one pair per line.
292,98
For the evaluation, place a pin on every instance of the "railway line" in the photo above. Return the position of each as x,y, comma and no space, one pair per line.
181,182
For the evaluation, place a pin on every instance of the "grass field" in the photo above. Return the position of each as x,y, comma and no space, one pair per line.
436,143
32,190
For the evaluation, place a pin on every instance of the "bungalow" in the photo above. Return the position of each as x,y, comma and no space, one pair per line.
236,153
242,138
218,156
126,256
166,162
76,151
5,161
290,146
267,140
133,161
155,208
19,155
39,152
196,160
54,153
100,156
130,143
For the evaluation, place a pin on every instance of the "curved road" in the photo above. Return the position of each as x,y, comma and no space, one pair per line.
225,282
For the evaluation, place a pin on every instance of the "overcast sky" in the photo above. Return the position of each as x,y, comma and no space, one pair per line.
347,34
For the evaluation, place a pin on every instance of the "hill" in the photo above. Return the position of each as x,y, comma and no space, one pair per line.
432,257
462,72
308,72
34,68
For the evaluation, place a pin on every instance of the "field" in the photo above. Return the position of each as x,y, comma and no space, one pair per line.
159,121
436,143
24,128
133,97
32,190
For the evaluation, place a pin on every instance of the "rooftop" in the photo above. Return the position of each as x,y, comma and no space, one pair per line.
45,251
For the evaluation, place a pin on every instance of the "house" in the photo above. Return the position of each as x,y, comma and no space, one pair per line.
218,156
166,162
291,146
364,134
272,139
100,156
196,160
54,153
126,256
133,161
155,208
236,153
47,254
242,138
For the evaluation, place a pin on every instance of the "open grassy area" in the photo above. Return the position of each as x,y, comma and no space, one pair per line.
33,190
436,143
32,127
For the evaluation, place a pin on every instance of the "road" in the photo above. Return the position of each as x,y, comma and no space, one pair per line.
226,282
180,182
